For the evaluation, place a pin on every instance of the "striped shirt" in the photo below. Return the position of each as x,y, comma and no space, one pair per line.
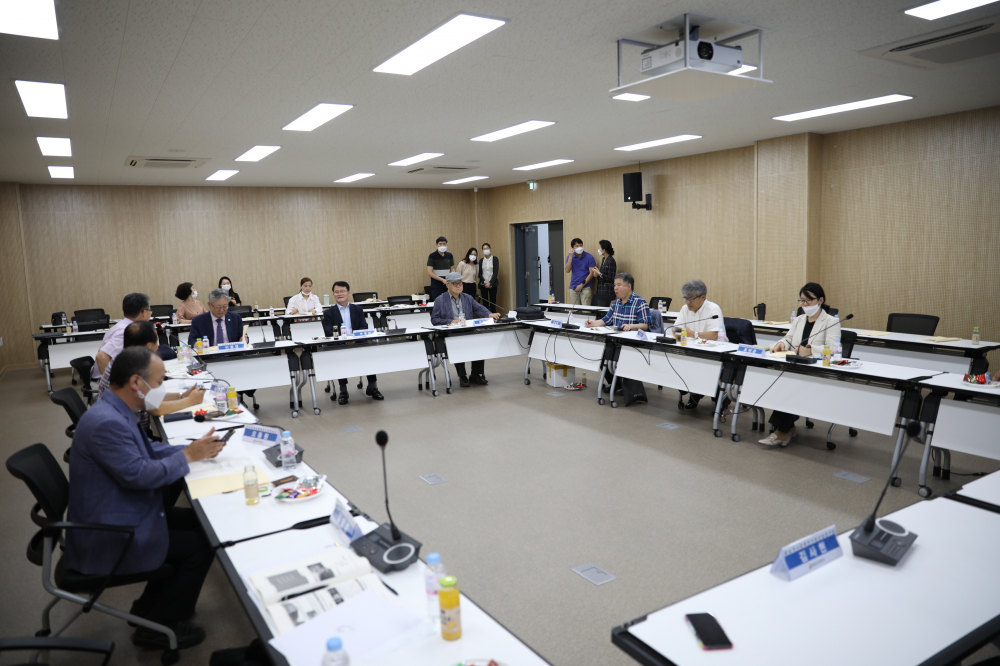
633,311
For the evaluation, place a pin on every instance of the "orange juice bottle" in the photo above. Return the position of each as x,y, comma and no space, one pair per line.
451,614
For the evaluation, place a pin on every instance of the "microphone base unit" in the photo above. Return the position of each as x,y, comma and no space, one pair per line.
506,320
801,360
385,553
570,327
888,543
666,340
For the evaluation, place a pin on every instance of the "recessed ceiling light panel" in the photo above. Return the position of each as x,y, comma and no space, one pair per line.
54,147
29,18
840,108
631,97
43,100
660,142
61,172
357,176
942,8
465,180
514,130
257,153
453,35
316,116
223,174
542,165
422,157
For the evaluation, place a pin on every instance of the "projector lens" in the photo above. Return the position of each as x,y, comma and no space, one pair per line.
705,51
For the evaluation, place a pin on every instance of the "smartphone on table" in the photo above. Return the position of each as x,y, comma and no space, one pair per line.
708,631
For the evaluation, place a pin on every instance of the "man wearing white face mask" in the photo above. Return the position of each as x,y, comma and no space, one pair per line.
439,264
118,477
304,301
578,264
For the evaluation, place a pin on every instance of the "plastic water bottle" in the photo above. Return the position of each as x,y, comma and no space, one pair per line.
791,320
722,334
335,655
221,400
76,326
838,350
569,317
451,612
432,582
288,461
271,311
206,343
975,335
173,319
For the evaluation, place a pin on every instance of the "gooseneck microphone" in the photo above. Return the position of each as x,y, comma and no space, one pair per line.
812,335
382,438
695,321
304,525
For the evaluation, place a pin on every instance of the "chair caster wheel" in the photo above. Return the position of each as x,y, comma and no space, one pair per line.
295,414
614,403
717,432
316,411
448,391
600,401
659,388
852,432
74,382
527,381
42,633
736,437
924,491
327,389
170,657
897,482
809,424
434,393
830,446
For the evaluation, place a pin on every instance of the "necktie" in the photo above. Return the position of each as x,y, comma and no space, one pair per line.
218,332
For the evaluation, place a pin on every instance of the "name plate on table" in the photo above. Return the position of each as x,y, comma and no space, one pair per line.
805,555
750,350
261,434
229,346
555,323
481,322
364,332
344,522
641,334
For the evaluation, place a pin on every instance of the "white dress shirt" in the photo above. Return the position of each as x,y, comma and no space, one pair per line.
345,317
302,304
707,309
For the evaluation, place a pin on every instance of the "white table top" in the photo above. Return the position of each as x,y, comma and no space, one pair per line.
851,606
986,489
953,381
569,306
880,370
920,340
547,324
312,342
280,344
709,346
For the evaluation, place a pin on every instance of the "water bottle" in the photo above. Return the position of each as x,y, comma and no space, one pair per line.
256,310
250,488
432,582
838,350
232,398
791,320
975,335
461,318
722,334
221,400
335,655
288,461
173,319
65,325
271,311
205,343
76,327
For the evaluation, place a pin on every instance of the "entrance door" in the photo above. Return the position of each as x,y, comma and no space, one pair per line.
538,271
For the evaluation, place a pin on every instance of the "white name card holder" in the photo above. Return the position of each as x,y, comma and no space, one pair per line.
481,322
230,346
364,332
799,558
555,323
750,350
261,434
344,522
641,334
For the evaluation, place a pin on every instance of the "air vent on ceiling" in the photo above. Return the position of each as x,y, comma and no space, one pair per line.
438,170
165,162
943,48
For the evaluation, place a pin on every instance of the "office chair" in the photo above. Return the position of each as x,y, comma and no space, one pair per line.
58,644
656,322
39,470
396,300
84,366
287,298
654,302
57,318
162,310
69,400
93,314
98,324
365,295
604,300
917,324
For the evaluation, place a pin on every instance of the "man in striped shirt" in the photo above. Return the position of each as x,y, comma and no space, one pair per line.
630,312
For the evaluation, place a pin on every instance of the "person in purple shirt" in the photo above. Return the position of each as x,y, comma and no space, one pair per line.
135,307
578,264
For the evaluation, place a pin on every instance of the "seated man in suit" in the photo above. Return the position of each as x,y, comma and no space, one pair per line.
119,477
448,309
349,317
218,323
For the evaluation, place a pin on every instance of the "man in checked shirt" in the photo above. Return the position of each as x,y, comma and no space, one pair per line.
629,312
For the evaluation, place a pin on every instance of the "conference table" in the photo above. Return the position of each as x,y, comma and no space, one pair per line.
478,340
851,610
984,493
583,348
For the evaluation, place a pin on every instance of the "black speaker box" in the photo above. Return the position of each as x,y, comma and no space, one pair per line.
633,186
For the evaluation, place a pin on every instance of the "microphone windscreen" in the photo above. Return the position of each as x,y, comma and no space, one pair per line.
381,438
850,316
200,418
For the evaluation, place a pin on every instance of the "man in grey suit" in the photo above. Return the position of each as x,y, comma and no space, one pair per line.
448,309
118,476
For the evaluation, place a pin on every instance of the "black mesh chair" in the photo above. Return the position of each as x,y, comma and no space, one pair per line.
654,302
916,324
603,300
396,300
69,400
241,309
57,318
162,310
287,298
51,643
93,314
84,366
364,295
39,470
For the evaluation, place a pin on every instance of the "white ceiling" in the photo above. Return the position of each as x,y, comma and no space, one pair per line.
212,78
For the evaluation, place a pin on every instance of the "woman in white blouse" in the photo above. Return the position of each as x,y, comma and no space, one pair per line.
305,300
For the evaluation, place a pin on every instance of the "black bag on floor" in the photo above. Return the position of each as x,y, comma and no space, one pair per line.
633,391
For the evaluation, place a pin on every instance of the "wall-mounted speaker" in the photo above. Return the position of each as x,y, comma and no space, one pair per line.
633,186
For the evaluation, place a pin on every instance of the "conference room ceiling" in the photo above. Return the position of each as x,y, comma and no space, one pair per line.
213,78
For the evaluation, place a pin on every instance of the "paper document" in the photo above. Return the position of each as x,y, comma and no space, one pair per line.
779,354
940,338
876,334
222,483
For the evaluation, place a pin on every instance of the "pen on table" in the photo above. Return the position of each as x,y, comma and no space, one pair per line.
299,594
389,587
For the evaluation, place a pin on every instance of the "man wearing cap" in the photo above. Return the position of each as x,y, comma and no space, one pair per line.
448,309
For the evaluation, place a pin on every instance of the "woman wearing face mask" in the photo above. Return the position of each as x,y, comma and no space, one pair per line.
489,277
801,340
605,275
227,285
190,306
470,271
305,300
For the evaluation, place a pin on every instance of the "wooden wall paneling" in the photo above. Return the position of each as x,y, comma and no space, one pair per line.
15,303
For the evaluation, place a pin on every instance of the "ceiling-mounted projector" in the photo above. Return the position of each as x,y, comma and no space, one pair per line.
705,55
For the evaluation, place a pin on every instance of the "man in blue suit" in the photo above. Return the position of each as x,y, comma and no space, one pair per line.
349,317
218,323
449,307
118,476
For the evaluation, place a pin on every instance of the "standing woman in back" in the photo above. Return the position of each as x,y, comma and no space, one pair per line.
470,272
605,275
226,285
489,277
190,306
